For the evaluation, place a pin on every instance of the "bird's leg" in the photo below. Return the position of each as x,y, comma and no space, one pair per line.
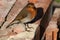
27,28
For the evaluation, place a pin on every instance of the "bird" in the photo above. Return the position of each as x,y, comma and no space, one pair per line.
30,14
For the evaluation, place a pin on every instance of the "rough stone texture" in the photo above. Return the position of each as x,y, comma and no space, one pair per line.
51,33
52,27
25,35
43,4
56,14
14,12
5,6
19,32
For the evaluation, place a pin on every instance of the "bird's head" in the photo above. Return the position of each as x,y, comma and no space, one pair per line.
31,9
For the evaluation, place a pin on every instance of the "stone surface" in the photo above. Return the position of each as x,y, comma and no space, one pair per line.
53,23
14,12
43,4
25,35
19,32
5,6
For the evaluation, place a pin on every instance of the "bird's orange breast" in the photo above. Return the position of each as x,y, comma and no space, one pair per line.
32,12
